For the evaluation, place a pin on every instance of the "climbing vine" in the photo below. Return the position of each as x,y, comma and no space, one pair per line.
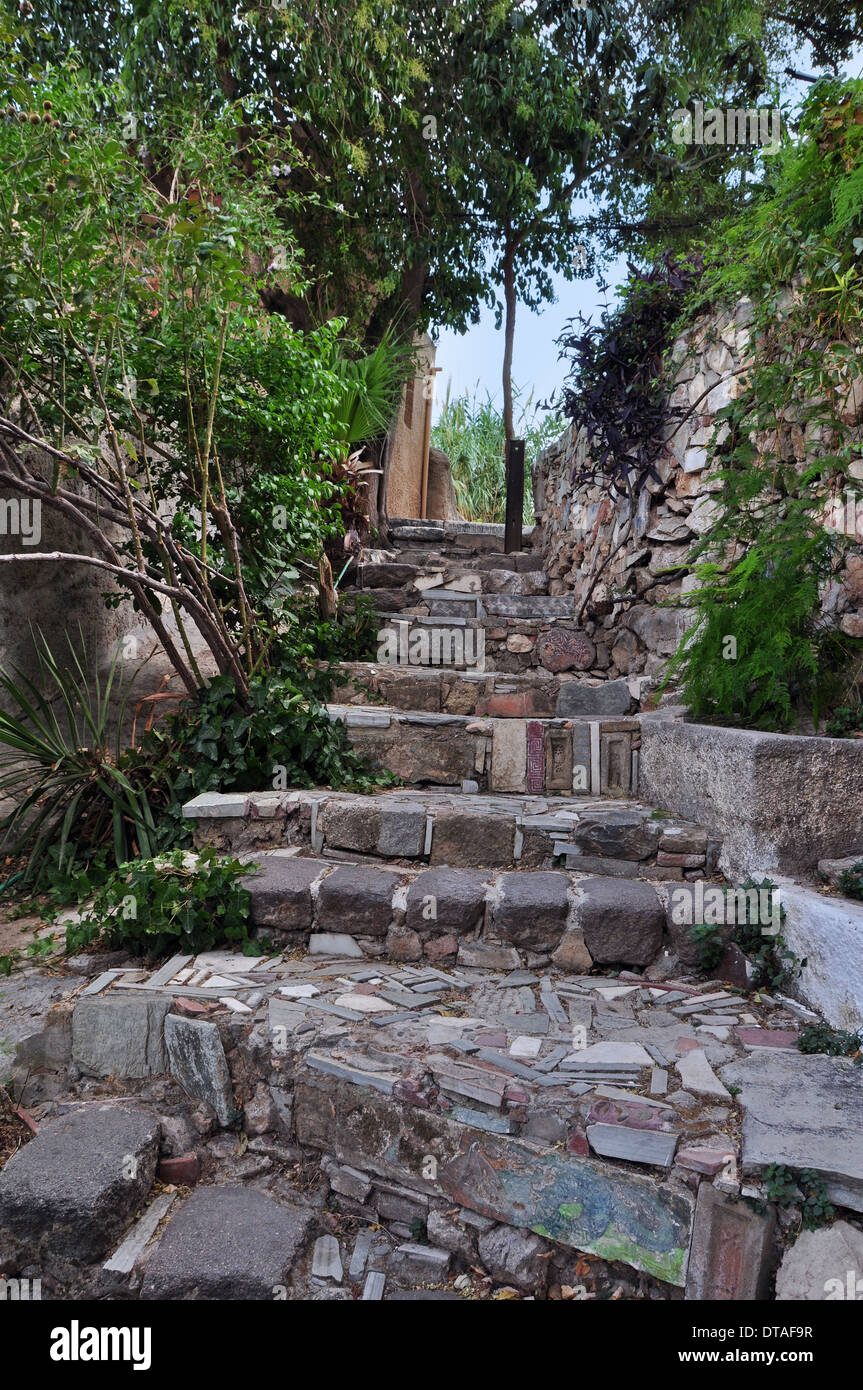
615,390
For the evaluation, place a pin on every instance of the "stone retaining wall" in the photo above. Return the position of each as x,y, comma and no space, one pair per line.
778,802
641,550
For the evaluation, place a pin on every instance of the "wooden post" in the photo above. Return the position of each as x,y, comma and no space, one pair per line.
514,494
428,397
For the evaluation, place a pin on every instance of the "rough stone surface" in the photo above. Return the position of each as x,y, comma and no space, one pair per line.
227,1243
327,943
562,649
120,1036
457,897
532,909
449,1234
619,834
822,1265
281,893
488,956
828,934
512,1256
402,832
197,1060
352,824
472,839
833,869
622,921
569,1199
357,900
581,700
572,953
778,802
805,1112
73,1189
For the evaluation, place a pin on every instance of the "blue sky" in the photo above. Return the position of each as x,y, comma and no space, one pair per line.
477,356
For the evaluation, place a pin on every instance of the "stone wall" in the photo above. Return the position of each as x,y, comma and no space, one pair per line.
777,802
635,556
64,602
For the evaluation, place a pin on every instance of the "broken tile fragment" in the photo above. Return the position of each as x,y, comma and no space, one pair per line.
326,1259
634,1145
698,1077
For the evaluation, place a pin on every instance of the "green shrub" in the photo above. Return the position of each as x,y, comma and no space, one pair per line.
774,964
62,762
802,1188
851,881
86,805
707,938
845,722
175,902
832,1042
760,652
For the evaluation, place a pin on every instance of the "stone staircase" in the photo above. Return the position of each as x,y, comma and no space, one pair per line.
418,1107
487,610
527,779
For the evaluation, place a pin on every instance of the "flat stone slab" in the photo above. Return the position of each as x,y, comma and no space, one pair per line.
623,1054
698,1077
327,1259
579,699
72,1190
805,1112
120,1037
635,1145
227,1243
732,1251
328,943
822,1265
197,1060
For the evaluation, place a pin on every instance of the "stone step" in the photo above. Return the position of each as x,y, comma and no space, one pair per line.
596,757
467,532
432,580
490,693
364,910
71,1192
464,830
228,1242
460,640
521,561
529,607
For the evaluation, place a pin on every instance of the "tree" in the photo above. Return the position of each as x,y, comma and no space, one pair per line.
144,396
438,147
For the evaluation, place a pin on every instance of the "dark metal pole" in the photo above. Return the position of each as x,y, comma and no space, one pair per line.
514,494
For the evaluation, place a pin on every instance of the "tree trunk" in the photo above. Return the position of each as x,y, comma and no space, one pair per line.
508,337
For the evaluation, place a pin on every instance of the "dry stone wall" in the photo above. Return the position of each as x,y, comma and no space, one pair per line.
625,560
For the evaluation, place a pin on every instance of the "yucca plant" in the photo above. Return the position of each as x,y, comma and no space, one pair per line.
60,748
